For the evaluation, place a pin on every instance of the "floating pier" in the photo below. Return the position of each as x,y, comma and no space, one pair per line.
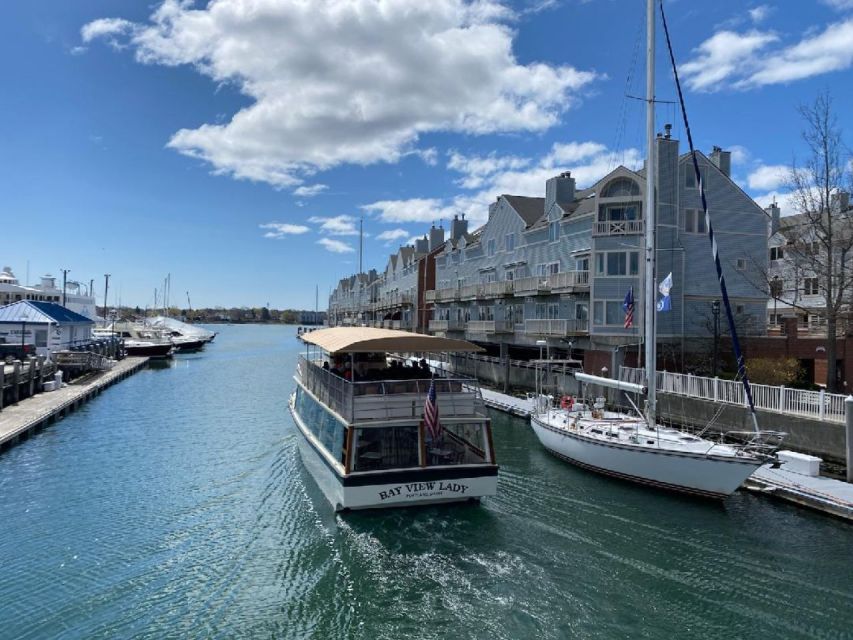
819,493
33,413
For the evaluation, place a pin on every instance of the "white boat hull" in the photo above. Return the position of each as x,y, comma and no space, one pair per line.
396,488
705,475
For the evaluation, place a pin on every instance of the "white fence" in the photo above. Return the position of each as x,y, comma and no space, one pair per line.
812,404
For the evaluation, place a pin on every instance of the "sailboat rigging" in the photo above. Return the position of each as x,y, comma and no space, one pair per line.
638,448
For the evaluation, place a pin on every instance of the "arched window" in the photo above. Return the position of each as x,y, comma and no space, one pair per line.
621,187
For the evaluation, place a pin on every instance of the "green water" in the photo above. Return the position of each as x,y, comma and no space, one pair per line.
175,505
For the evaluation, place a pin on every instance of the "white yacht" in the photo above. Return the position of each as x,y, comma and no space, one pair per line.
186,337
139,340
637,448
374,434
78,297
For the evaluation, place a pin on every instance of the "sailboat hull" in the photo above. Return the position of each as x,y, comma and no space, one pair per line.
703,475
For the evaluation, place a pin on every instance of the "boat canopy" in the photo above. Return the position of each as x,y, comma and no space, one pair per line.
370,340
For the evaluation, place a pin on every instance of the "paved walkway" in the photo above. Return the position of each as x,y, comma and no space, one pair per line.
16,419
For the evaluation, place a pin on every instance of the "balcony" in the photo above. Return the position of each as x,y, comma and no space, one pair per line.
556,327
442,295
470,291
536,284
569,280
490,326
618,227
496,289
446,325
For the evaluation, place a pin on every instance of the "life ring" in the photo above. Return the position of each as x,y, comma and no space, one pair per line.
567,402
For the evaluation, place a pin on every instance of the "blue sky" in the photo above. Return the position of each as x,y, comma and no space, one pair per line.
236,143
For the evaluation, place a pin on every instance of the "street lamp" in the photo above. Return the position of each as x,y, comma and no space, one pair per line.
715,312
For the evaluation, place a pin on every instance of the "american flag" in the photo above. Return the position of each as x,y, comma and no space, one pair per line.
433,424
628,307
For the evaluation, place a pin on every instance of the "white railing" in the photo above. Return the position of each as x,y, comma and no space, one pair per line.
446,325
555,327
469,291
617,227
568,279
535,283
492,289
812,404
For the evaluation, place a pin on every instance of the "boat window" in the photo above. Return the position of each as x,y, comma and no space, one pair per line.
385,448
328,429
462,443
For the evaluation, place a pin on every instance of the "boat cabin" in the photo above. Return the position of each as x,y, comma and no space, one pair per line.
365,398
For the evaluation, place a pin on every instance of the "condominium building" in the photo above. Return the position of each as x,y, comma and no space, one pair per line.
555,270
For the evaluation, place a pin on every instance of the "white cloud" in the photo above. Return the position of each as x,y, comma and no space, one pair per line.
746,60
740,154
412,210
342,225
309,191
721,56
783,199
106,27
392,234
760,13
768,177
831,50
278,230
335,246
347,81
486,177
840,5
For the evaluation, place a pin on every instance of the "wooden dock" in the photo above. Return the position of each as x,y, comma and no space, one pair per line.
820,493
33,413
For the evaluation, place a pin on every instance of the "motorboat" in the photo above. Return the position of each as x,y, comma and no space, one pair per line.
376,434
139,340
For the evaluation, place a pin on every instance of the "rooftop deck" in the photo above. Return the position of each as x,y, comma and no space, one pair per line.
379,399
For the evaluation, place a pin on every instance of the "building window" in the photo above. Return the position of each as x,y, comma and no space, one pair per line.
582,263
739,309
508,274
515,313
491,247
548,268
690,175
619,212
694,221
621,187
776,287
582,311
741,264
486,313
509,242
608,313
776,253
617,263
554,231
810,286
553,311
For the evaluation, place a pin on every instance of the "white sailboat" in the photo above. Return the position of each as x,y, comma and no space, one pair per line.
637,448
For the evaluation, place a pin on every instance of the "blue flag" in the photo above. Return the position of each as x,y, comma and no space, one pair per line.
665,303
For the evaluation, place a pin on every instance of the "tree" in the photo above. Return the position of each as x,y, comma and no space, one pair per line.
819,241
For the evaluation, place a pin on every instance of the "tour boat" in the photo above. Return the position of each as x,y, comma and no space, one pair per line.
637,448
374,433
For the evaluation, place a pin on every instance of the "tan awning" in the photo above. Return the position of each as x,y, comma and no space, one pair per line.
368,340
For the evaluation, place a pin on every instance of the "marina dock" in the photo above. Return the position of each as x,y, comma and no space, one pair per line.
820,493
33,413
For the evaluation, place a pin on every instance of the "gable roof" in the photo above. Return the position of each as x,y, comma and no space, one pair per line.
40,312
528,209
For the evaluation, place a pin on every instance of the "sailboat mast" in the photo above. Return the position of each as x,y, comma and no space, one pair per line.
651,219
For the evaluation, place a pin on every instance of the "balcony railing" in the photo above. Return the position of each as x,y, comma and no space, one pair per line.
490,326
556,327
497,289
469,291
569,279
531,285
617,227
446,325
